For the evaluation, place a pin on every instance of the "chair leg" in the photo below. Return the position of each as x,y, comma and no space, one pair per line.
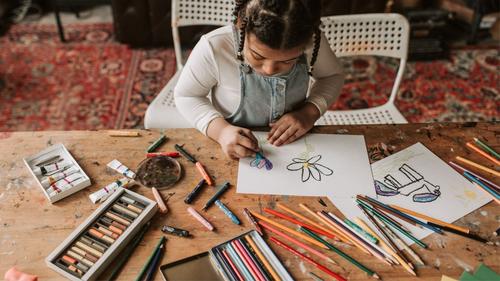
60,28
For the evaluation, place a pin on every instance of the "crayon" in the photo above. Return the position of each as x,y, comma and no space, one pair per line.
156,144
192,195
218,193
175,231
227,212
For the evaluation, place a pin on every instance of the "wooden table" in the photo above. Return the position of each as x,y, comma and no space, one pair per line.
31,227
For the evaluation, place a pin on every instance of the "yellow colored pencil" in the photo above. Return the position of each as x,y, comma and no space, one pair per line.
269,268
430,219
340,235
482,153
478,166
289,230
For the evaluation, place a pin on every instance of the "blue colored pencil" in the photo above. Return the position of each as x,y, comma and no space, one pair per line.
227,212
495,195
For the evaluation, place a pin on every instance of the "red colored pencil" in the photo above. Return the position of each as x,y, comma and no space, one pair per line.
292,220
224,253
252,268
309,260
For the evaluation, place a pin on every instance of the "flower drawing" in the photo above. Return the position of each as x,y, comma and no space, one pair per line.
309,168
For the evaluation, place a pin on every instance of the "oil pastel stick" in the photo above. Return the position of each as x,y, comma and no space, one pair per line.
201,219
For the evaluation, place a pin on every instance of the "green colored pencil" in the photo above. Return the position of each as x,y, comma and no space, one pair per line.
487,148
146,265
395,226
128,252
339,252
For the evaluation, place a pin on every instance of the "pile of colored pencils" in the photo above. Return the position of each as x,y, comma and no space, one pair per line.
482,183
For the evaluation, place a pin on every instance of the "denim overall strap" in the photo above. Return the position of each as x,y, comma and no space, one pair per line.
264,99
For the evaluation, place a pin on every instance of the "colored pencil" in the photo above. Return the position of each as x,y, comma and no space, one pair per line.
335,231
339,230
388,248
299,223
481,185
261,256
225,265
252,220
253,259
309,221
401,214
122,259
154,263
372,248
467,235
461,169
361,231
487,148
386,228
228,259
296,242
289,230
148,262
395,226
340,253
307,259
315,277
478,166
237,259
387,237
437,222
248,263
118,133
482,153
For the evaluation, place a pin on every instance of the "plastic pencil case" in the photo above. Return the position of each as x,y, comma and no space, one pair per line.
223,267
53,151
72,258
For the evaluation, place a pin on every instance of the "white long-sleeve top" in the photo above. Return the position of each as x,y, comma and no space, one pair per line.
213,69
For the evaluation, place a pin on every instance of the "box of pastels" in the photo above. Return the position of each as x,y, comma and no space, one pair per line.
57,172
90,248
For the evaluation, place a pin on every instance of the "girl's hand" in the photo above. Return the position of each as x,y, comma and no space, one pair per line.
236,142
293,125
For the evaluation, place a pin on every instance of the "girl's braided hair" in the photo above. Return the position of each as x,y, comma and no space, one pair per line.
280,24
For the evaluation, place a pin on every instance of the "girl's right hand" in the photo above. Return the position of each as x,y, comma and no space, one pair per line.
236,142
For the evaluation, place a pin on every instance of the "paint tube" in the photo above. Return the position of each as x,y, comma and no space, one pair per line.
48,181
65,184
122,169
47,169
102,194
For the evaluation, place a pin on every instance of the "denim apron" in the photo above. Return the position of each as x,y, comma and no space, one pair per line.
264,99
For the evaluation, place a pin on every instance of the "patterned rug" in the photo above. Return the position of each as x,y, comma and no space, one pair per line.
92,82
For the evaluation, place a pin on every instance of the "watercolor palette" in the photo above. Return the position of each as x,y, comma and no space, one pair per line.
57,172
87,251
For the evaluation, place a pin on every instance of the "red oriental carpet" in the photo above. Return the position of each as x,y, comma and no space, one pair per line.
92,82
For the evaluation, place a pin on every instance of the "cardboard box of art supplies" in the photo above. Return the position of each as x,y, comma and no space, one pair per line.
93,245
237,259
57,172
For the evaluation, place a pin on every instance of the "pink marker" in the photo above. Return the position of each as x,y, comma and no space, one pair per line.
201,219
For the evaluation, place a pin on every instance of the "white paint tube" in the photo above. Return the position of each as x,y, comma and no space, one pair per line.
122,169
102,194
47,169
65,184
48,181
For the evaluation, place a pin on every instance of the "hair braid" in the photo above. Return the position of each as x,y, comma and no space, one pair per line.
241,44
317,43
239,4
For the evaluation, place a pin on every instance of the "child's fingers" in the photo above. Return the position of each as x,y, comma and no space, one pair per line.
246,133
247,143
280,129
242,152
288,134
294,137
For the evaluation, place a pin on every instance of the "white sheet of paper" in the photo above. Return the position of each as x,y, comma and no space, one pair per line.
418,174
343,169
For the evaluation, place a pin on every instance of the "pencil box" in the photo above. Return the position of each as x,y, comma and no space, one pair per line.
224,262
95,243
67,167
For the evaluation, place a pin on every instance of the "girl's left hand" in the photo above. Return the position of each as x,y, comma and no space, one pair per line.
293,125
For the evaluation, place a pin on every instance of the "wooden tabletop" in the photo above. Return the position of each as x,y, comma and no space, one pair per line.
31,227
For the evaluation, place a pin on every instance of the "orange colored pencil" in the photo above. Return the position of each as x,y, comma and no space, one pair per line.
289,230
482,153
478,166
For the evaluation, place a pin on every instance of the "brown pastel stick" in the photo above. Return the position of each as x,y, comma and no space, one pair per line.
117,218
96,233
80,258
83,253
106,231
89,249
109,221
124,210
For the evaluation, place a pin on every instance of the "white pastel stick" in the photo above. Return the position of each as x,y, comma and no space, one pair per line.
49,180
201,219
122,169
102,194
67,185
40,171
